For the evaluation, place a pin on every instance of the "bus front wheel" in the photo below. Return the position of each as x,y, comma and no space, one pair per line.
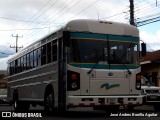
156,107
18,105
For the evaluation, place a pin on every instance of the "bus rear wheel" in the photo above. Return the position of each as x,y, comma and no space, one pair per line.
49,101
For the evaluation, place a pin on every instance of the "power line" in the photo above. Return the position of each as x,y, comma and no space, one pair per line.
20,20
29,28
53,15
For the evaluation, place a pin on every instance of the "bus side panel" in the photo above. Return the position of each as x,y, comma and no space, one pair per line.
31,86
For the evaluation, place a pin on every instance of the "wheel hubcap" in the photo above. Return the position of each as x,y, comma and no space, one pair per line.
49,102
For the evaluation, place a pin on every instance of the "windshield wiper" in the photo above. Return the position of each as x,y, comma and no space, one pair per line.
98,58
95,65
129,72
119,61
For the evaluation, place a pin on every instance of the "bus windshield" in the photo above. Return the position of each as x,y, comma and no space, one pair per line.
112,52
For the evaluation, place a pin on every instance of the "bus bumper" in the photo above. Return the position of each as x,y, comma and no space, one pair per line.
91,101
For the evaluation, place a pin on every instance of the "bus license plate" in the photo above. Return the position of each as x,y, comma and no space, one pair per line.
153,97
111,100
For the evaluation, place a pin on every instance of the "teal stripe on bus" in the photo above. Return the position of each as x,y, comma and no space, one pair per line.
99,66
76,35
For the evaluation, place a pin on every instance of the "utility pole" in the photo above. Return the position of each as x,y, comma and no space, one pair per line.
132,12
156,3
16,47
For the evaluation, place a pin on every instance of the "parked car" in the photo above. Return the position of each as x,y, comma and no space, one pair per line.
151,93
3,96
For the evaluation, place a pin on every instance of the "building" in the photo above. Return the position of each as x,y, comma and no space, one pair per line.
3,72
150,65
3,81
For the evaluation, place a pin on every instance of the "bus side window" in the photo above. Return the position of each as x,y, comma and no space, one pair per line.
19,64
49,52
27,62
13,67
39,57
35,52
31,60
21,68
43,57
54,50
24,62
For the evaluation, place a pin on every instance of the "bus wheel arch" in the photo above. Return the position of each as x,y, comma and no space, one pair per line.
15,100
19,105
49,99
156,107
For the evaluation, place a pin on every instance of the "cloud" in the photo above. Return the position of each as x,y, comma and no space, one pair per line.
54,13
152,40
50,13
3,63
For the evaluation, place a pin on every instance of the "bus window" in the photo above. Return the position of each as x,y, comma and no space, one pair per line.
39,57
13,67
31,60
123,53
43,57
48,52
35,56
54,51
24,62
16,66
27,62
21,64
88,51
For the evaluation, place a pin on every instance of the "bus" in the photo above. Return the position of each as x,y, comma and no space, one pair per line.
87,63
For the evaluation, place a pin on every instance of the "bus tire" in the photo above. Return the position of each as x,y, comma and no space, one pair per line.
112,109
130,108
16,102
18,105
49,101
156,107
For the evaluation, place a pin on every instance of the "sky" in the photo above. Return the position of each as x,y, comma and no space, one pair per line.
33,19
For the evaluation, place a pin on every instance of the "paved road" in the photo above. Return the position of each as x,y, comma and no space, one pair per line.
88,114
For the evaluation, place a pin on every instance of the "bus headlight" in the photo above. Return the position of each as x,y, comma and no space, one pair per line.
138,86
73,81
142,91
74,85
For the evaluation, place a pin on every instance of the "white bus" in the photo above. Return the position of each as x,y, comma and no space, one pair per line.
87,63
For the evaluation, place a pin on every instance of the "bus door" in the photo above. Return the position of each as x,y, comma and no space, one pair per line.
61,75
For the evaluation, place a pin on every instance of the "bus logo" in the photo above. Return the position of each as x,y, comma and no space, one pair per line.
107,86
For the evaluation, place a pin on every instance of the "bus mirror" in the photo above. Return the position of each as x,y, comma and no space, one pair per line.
66,38
143,46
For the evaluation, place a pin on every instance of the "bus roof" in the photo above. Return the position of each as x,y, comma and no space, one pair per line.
102,27
88,25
